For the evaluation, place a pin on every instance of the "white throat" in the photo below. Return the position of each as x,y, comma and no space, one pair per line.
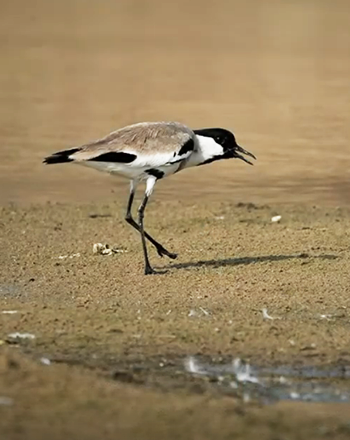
206,149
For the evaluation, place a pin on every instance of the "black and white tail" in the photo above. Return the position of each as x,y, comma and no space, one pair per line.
61,156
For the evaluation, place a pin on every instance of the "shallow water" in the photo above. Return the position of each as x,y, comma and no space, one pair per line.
268,385
275,72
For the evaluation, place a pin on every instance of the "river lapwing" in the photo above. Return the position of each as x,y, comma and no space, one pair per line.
150,151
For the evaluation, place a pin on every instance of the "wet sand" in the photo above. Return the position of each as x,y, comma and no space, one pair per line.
275,73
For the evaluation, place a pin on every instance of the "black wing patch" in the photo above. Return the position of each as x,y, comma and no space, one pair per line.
115,156
155,173
187,147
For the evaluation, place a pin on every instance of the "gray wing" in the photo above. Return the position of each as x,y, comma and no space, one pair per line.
144,144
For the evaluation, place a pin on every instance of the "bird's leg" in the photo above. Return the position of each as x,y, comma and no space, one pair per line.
148,268
128,217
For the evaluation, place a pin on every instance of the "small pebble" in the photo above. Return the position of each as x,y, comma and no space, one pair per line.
276,219
18,335
45,361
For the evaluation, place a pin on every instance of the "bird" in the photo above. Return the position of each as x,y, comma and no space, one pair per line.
148,152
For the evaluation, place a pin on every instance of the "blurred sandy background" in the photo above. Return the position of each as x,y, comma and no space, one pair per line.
275,72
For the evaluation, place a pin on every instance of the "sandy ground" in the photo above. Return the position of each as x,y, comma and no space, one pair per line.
101,314
277,73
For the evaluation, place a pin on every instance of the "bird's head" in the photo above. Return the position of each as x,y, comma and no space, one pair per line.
226,139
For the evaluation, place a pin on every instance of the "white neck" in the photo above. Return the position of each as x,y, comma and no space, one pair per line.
206,149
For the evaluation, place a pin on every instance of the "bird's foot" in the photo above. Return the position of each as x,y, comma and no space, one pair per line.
162,251
150,271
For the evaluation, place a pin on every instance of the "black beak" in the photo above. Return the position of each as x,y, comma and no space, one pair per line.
239,149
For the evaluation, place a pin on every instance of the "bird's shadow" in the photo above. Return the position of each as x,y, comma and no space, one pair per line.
248,260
